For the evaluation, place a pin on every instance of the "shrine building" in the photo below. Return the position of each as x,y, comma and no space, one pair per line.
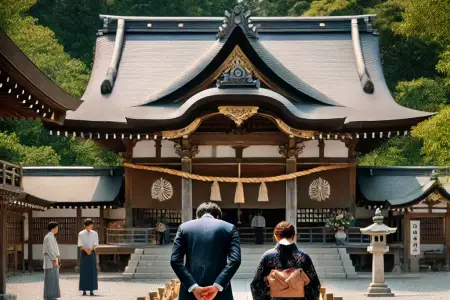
261,114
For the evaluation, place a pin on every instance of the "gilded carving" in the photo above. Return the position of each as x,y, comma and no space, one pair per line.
238,114
287,152
186,150
237,58
173,134
292,131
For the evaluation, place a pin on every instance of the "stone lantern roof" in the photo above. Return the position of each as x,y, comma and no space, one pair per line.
378,228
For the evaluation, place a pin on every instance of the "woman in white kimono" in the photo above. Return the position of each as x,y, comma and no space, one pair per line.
51,263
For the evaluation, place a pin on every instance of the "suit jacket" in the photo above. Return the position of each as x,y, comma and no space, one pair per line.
213,255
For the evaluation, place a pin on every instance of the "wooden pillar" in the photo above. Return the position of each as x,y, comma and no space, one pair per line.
186,191
129,144
30,240
3,246
406,240
352,190
79,227
291,192
447,237
101,227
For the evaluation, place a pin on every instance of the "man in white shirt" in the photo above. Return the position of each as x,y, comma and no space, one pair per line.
51,263
88,241
259,225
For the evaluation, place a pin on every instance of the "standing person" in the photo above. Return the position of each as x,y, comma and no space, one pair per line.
213,255
88,241
286,256
259,226
52,263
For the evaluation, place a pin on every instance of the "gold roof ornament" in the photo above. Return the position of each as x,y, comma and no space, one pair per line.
238,114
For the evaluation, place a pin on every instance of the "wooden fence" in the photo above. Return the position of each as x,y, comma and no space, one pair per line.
67,234
10,175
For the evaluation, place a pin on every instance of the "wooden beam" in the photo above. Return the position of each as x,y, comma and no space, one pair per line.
186,191
291,193
352,189
248,139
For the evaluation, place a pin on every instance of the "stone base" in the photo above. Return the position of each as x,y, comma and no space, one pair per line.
8,297
397,269
379,290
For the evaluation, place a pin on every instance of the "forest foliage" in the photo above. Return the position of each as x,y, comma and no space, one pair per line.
59,37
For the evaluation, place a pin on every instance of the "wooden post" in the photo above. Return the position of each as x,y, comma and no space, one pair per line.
30,240
186,191
291,192
79,226
406,240
3,245
101,227
447,237
352,190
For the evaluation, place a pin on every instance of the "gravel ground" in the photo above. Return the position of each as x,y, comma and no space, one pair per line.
431,286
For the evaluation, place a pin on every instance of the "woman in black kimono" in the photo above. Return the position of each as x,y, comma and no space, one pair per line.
285,255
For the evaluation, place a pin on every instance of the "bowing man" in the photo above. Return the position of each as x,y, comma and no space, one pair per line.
88,241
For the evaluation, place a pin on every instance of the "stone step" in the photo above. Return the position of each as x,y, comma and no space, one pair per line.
168,269
244,250
248,276
244,263
252,257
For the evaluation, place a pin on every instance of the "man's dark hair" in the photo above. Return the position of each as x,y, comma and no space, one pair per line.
88,222
209,208
52,225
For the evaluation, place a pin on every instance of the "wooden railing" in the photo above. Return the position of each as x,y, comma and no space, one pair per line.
10,176
134,236
305,235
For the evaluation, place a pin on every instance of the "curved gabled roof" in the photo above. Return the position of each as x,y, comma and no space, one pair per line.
26,91
165,62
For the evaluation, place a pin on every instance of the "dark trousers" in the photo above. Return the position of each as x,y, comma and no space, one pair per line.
88,272
259,235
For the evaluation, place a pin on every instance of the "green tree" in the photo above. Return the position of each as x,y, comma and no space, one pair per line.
74,22
435,133
13,151
424,94
398,151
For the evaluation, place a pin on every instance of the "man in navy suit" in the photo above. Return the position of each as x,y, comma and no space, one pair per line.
213,255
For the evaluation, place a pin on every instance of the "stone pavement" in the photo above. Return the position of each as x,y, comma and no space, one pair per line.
431,286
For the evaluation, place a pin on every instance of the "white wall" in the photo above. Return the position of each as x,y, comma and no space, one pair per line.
261,151
335,148
205,151
115,214
311,149
168,149
66,251
144,149
90,212
225,151
56,213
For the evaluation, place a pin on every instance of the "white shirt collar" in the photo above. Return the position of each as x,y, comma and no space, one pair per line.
285,242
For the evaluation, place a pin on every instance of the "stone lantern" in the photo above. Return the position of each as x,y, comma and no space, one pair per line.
378,233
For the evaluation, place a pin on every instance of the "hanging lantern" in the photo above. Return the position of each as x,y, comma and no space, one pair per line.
215,192
263,195
239,195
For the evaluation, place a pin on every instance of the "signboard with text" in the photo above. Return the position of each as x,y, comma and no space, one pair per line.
415,237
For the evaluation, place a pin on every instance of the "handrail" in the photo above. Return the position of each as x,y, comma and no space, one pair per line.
10,175
308,235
